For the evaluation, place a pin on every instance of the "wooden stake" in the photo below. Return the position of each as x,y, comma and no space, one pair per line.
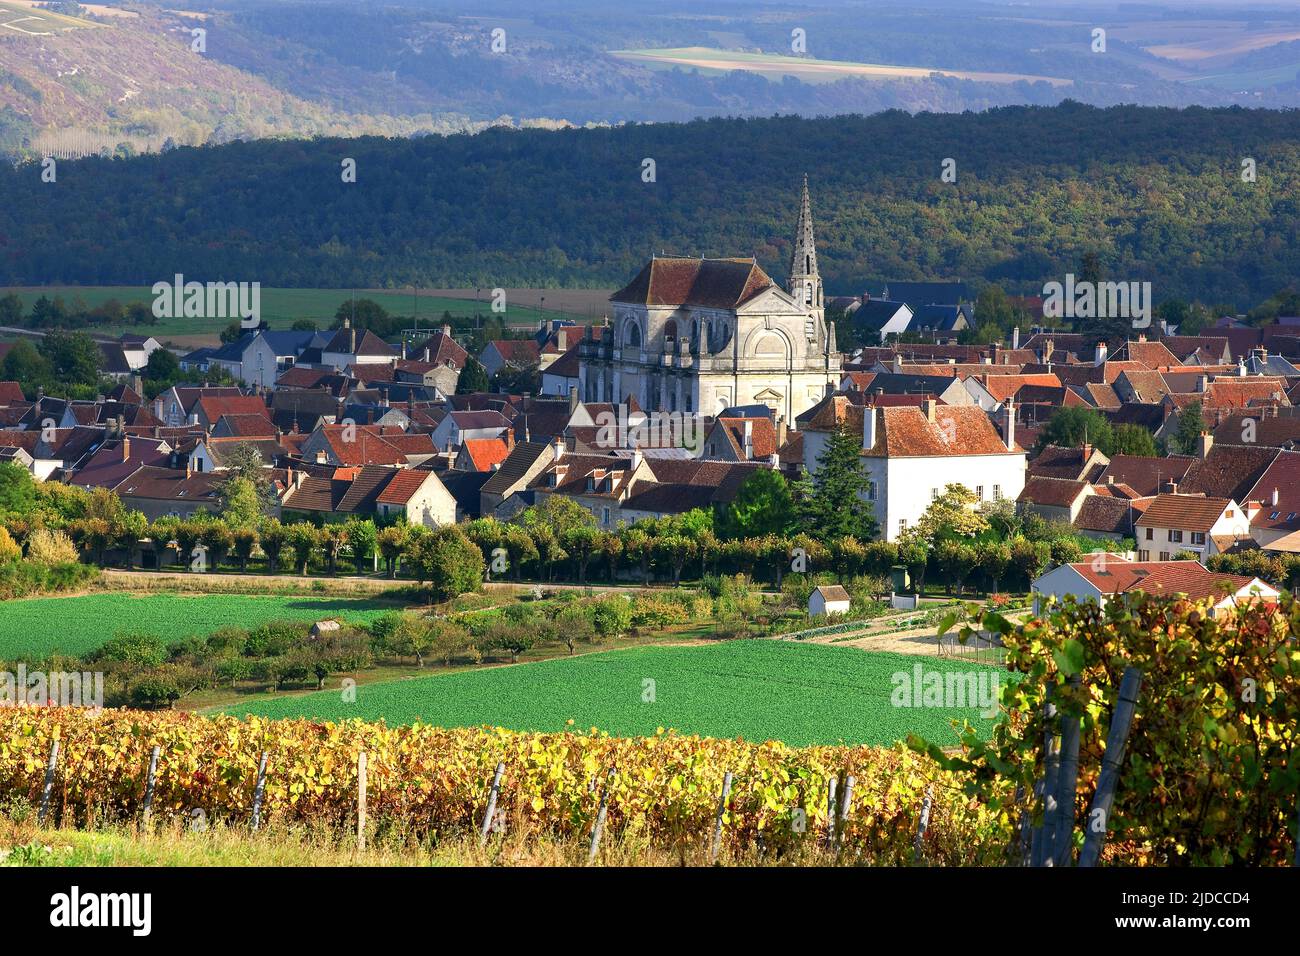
717,823
491,805
600,818
258,791
148,786
925,821
361,800
830,810
846,800
1067,786
48,788
1130,686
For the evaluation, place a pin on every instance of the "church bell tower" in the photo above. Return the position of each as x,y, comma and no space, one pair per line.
805,283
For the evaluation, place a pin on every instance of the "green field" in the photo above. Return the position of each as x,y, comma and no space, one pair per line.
33,628
760,690
282,307
20,19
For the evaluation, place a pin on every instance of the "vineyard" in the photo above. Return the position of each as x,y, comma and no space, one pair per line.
659,791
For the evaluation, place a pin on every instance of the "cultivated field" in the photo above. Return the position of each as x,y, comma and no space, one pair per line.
17,17
282,307
807,69
33,628
800,694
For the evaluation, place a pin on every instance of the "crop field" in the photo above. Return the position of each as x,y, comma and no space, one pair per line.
800,694
33,628
282,307
808,69
27,20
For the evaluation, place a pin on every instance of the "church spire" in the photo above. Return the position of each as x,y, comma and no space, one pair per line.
803,260
805,282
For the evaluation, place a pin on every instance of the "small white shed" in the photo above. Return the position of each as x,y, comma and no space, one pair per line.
828,599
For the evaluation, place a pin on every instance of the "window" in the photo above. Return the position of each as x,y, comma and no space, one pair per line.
1144,555
1164,555
1229,513
934,494
871,491
1176,536
1151,533
902,525
605,516
997,492
979,492
1198,537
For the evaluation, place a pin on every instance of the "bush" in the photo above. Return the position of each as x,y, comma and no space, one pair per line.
51,547
154,692
611,616
9,550
274,638
655,612
135,648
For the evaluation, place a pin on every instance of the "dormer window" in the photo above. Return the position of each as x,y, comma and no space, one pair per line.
591,483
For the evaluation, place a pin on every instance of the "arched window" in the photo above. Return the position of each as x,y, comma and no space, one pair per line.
632,338
670,333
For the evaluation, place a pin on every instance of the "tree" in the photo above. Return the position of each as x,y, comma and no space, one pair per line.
1131,440
1073,426
73,356
473,378
362,541
954,514
245,540
834,501
241,505
163,366
763,505
392,545
274,537
11,310
27,366
449,561
1190,427
363,314
302,540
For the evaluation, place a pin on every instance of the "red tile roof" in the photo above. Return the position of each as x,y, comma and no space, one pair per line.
483,453
403,486
906,432
711,283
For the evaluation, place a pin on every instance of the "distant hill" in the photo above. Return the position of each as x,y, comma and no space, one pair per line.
1156,194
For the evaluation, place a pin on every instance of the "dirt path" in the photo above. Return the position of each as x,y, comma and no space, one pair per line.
874,637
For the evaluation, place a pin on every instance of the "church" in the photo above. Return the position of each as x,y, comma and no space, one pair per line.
701,335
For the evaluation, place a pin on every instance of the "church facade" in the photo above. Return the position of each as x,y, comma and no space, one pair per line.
700,335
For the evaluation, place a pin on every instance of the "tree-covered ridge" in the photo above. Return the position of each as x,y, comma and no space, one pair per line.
1156,194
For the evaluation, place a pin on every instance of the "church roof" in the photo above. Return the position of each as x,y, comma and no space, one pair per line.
709,283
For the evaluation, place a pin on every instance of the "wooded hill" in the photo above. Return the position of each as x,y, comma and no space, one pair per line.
1157,194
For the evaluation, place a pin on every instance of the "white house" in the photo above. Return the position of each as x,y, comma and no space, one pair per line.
457,427
828,599
1102,577
420,496
1196,523
912,454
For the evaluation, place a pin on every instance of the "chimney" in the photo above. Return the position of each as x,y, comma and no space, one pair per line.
573,399
1241,368
1099,356
749,440
774,461
868,427
510,440
1086,449
1170,487
320,457
1048,347
403,348
446,330
930,406
562,339
558,447
1277,498
383,397
898,363
782,432
126,448
1203,383
1015,337
1009,425
189,465
1204,442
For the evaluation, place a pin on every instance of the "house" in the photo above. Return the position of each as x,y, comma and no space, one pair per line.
159,492
910,455
350,346
483,454
437,362
525,462
881,318
419,496
1056,499
1202,525
1106,577
1274,505
514,353
828,599
458,427
927,293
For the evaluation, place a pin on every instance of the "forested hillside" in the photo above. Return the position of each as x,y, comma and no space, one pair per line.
1156,194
